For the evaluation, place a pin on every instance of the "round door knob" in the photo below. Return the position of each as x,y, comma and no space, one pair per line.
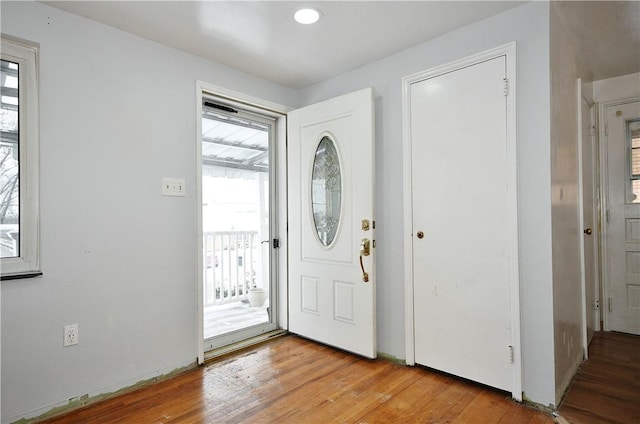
420,234
587,231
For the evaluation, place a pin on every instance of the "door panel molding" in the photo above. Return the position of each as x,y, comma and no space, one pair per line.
509,51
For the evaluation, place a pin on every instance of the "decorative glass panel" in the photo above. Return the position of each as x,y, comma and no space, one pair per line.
633,134
326,191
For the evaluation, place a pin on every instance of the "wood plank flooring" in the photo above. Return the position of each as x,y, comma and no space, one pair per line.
293,380
606,389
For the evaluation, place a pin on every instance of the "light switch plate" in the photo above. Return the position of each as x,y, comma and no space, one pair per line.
173,187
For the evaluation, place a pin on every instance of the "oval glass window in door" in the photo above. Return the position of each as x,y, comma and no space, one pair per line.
326,191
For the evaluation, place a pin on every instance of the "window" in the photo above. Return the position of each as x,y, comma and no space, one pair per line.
633,142
19,163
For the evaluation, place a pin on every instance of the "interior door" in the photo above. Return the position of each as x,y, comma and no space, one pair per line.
623,215
463,229
331,223
590,229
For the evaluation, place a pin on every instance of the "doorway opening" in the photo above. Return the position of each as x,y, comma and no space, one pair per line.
620,162
238,223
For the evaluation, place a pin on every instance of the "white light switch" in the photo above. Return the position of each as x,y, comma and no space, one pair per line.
173,187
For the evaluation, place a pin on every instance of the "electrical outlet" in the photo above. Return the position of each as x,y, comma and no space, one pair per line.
71,335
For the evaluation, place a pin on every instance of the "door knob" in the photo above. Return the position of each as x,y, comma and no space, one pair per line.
587,231
420,235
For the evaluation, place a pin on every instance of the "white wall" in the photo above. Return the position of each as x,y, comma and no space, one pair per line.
528,25
566,67
117,113
623,87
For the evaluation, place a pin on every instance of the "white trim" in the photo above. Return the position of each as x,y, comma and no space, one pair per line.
605,314
26,56
263,106
508,50
278,112
410,357
583,279
199,238
597,196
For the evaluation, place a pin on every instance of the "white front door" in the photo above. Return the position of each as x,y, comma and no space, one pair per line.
331,279
623,216
464,228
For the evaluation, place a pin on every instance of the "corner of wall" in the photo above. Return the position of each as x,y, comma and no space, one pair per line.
565,68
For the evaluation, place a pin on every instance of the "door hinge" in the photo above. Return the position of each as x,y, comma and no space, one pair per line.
606,129
506,86
511,355
608,216
610,305
593,130
276,243
597,305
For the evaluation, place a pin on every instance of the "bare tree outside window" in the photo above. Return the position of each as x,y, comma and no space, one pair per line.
9,161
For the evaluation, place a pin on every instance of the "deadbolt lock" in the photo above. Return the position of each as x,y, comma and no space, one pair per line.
365,225
588,231
420,235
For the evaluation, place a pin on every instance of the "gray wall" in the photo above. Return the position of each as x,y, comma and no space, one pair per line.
566,67
117,113
528,25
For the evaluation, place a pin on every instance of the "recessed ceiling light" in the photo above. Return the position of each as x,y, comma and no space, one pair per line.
307,16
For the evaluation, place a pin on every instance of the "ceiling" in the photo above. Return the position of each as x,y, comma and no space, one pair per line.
606,35
262,39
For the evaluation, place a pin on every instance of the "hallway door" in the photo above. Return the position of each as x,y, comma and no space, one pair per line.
464,223
622,133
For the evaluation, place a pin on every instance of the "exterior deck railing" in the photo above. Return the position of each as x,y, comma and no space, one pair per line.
230,265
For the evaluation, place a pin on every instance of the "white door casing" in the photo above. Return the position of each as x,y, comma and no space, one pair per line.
622,224
588,202
328,300
461,238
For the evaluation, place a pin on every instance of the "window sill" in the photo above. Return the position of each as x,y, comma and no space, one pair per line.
20,275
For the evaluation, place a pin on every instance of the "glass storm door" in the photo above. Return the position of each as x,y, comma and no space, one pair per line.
237,223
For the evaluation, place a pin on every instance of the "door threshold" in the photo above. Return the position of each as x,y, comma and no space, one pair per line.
234,347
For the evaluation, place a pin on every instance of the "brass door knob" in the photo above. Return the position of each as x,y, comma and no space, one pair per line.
587,231
420,235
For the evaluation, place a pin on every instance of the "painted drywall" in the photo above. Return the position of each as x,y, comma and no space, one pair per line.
565,67
117,113
622,87
528,25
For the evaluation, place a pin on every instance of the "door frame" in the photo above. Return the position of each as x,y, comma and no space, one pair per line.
279,112
605,313
508,50
595,212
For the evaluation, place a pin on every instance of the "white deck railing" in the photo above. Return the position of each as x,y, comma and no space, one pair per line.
230,259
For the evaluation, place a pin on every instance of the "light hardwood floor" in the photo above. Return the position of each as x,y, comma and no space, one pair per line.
293,380
606,389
